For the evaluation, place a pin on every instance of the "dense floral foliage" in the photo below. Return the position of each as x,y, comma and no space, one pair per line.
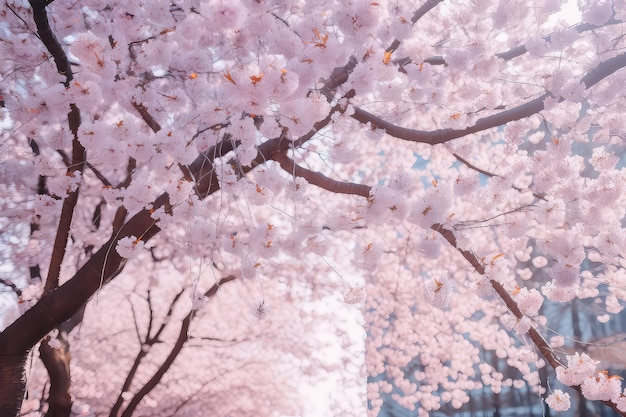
444,168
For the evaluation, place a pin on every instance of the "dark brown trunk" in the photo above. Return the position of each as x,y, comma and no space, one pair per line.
57,363
12,384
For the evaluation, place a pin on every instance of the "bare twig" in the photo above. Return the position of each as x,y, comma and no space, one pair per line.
10,284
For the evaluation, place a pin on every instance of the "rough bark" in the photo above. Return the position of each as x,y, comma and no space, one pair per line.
12,384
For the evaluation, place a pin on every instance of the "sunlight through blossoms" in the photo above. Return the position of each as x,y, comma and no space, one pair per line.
303,208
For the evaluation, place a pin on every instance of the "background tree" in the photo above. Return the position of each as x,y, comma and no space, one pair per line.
437,148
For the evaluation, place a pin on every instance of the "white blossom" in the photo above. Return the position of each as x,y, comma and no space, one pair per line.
558,401
129,246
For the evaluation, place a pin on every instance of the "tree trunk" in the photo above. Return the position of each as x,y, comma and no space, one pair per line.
57,362
12,384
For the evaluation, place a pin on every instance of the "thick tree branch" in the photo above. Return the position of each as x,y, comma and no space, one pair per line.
11,381
522,111
69,204
40,16
57,363
321,180
445,135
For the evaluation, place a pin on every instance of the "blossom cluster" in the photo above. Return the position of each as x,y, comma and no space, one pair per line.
597,385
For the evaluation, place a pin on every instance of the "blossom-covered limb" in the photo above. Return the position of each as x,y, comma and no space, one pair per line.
510,53
146,116
335,186
580,28
69,203
340,74
522,111
122,212
419,13
489,174
538,340
47,36
321,180
329,184
57,359
103,266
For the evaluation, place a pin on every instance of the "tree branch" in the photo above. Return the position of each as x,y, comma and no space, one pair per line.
40,16
121,212
35,270
11,285
146,116
538,340
319,179
144,349
511,53
57,363
490,174
363,190
57,360
419,13
171,357
522,111
69,204
580,28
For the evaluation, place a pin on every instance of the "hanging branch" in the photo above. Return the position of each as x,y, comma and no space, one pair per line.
504,295
538,340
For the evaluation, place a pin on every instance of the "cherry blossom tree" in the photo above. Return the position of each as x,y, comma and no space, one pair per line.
450,167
